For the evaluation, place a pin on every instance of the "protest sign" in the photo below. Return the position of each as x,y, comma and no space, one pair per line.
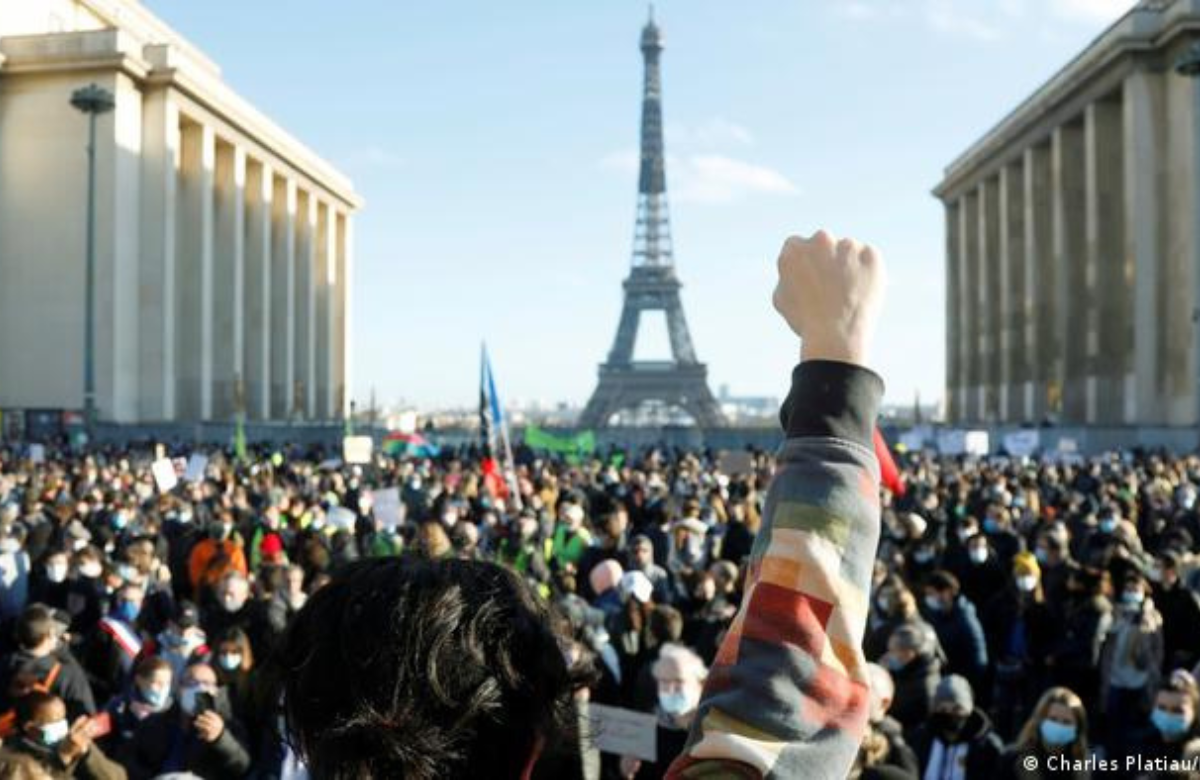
736,462
623,732
976,443
340,517
37,453
357,449
164,474
1022,443
952,442
196,465
387,507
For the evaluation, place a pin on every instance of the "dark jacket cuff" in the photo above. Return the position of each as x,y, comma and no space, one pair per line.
835,399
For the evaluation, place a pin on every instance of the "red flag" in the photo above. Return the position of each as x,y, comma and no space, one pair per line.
493,480
889,475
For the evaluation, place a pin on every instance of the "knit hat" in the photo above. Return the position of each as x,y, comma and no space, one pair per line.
1025,563
955,690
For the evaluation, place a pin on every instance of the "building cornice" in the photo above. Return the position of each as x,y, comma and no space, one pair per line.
1148,27
164,65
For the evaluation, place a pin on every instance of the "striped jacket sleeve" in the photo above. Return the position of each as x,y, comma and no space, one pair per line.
787,694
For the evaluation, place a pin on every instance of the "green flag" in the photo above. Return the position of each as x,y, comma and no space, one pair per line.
583,443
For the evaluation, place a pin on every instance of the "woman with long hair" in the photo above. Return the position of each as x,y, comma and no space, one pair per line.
1053,742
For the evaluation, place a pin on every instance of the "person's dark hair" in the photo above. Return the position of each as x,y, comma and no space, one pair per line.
942,581
27,706
406,667
35,625
150,664
666,624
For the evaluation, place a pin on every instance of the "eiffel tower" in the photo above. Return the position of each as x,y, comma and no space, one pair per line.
625,384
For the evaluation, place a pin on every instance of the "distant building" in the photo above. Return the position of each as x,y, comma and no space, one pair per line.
223,244
1072,255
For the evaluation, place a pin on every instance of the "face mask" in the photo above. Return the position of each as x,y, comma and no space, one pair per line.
154,697
1132,598
1042,556
126,611
923,556
978,555
9,545
91,570
1056,734
56,572
884,604
991,525
232,603
1027,582
127,572
893,663
53,733
1108,525
934,604
965,533
229,661
1169,724
676,703
119,520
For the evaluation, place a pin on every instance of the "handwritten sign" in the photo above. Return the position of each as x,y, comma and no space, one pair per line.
357,449
623,732
387,507
976,443
195,468
341,517
164,475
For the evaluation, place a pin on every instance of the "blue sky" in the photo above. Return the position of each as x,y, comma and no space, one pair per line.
495,144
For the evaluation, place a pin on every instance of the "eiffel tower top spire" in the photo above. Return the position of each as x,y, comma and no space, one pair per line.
652,232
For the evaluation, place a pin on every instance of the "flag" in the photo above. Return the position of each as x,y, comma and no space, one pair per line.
239,438
414,444
889,475
493,430
583,443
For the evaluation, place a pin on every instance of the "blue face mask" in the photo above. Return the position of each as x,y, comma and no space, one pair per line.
154,697
119,520
1057,734
126,611
1042,556
1170,724
1132,598
893,663
934,604
676,703
1108,524
991,525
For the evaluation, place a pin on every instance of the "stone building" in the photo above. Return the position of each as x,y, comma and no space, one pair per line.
223,244
1072,256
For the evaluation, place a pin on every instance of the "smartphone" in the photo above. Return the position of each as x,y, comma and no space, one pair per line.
100,725
205,702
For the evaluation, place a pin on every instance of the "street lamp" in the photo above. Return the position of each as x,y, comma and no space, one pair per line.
92,100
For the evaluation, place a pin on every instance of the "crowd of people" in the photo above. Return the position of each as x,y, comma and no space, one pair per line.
1027,618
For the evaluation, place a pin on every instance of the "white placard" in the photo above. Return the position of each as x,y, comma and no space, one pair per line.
196,465
951,442
164,474
387,507
1067,445
341,517
976,443
623,732
1022,443
357,449
736,462
37,453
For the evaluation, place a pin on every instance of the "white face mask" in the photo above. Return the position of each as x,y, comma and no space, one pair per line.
56,572
91,570
1027,582
9,545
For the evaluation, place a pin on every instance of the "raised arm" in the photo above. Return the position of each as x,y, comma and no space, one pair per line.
787,695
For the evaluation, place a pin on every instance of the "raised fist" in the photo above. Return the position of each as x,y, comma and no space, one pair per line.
830,292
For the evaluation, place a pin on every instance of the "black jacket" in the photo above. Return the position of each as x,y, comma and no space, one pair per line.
70,685
983,751
1180,609
915,686
165,742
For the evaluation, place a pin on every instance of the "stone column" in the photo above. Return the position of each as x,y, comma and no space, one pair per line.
987,297
194,259
259,196
1044,328
306,298
954,365
326,384
972,411
343,364
157,275
1014,352
1070,258
229,275
283,297
1110,269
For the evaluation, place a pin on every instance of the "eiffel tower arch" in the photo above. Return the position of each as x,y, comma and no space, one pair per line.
682,382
